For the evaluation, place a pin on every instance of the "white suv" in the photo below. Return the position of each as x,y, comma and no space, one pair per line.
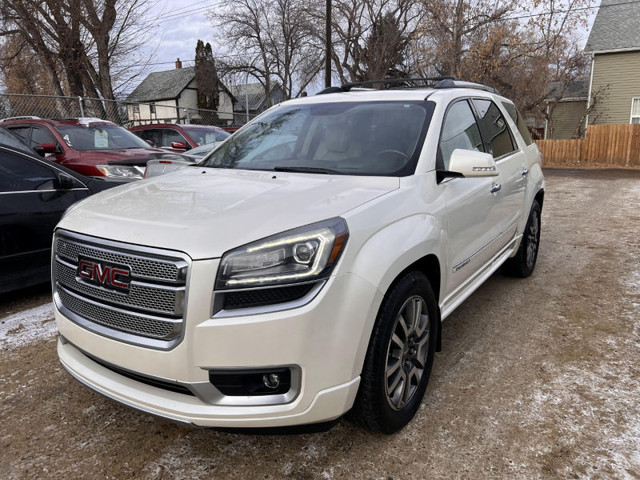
303,269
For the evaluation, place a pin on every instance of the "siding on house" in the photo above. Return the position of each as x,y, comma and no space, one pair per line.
616,76
565,119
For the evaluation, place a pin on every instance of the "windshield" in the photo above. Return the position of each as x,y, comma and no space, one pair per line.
99,137
202,136
349,138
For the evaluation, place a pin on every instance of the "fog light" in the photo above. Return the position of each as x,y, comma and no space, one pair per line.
271,381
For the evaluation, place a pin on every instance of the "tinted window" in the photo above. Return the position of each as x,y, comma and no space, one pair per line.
18,173
40,135
350,138
202,136
13,141
153,135
519,121
493,126
459,131
22,132
171,136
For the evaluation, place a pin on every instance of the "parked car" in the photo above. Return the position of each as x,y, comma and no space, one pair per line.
34,194
302,269
179,138
90,146
189,158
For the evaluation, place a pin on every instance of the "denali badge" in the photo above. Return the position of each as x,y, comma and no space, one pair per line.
103,274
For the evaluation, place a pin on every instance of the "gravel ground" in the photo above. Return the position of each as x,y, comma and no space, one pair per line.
538,378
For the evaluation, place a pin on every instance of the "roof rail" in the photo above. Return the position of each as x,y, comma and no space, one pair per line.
452,83
20,117
389,83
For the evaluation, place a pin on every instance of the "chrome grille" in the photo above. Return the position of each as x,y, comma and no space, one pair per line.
141,267
155,328
139,297
150,313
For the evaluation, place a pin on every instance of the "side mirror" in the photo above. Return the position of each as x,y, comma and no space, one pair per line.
470,163
150,142
65,182
45,148
179,146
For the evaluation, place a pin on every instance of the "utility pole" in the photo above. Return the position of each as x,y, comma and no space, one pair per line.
327,58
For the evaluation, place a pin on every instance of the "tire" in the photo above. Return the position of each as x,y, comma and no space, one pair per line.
398,349
524,262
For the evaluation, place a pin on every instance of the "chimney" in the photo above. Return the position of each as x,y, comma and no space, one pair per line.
178,63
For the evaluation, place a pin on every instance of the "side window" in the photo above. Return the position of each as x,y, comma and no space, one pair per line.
494,128
171,136
40,135
19,174
22,132
519,121
153,135
459,131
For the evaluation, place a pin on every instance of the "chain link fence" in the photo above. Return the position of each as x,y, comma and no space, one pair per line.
123,113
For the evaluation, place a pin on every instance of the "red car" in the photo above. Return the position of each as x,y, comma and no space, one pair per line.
179,138
90,146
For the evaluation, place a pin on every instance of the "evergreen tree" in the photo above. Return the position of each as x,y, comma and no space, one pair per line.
207,77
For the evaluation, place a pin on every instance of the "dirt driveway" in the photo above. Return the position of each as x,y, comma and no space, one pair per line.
538,378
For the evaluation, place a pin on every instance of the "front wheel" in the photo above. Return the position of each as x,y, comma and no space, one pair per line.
524,262
399,358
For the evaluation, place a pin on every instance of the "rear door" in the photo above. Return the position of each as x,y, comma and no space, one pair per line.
510,159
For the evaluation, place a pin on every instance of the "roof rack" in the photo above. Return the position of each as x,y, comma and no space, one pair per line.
389,84
20,117
404,83
453,83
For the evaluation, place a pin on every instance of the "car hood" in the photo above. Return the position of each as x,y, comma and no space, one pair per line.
205,212
127,156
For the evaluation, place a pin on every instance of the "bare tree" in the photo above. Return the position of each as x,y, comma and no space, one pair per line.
78,42
370,37
276,38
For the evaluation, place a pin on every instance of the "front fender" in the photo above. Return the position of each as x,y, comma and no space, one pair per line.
386,254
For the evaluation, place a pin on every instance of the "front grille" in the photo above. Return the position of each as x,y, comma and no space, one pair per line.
151,313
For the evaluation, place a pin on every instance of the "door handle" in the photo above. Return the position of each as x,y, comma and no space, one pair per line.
525,172
496,188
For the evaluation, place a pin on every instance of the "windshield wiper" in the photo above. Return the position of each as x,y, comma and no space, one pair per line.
306,170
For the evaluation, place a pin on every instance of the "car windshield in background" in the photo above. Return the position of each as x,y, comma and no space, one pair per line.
202,136
353,138
99,137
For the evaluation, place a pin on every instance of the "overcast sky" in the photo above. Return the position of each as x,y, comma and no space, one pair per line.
183,22
180,26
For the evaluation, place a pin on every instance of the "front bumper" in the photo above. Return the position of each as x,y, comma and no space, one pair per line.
324,340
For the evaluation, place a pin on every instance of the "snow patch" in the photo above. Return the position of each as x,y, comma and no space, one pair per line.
27,327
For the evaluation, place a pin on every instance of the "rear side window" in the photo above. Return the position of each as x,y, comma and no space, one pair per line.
459,130
494,128
519,121
21,174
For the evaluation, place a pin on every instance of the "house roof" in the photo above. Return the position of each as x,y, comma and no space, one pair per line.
615,27
163,85
254,94
572,91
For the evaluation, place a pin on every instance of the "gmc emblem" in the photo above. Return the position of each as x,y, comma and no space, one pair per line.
105,275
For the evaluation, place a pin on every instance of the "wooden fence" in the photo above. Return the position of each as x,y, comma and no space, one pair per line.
604,145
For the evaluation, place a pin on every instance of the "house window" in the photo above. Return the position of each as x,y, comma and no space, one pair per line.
635,110
136,109
152,109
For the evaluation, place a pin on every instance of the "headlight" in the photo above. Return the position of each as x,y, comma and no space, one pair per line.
121,171
303,254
